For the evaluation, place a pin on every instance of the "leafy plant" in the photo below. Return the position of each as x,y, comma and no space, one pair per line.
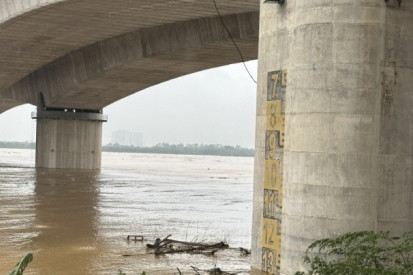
364,253
22,264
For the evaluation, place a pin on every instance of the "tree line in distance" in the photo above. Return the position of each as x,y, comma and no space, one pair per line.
160,148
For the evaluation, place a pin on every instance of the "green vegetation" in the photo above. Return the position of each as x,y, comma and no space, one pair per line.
22,264
161,148
188,149
364,253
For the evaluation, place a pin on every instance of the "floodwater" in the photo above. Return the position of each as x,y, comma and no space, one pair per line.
76,222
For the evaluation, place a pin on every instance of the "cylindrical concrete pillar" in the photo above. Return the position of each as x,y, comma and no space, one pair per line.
347,163
69,139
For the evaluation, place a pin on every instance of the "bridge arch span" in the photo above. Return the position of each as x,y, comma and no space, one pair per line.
99,74
72,58
38,35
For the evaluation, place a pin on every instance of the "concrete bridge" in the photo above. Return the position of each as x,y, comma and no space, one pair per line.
72,58
334,138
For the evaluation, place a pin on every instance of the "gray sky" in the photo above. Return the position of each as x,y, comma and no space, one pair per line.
215,106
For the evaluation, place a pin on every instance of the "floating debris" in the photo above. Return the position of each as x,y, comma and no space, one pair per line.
135,238
245,251
168,246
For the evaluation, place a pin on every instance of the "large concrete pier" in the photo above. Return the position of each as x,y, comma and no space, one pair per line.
69,138
334,125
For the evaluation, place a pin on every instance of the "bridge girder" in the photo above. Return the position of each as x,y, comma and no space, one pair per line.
88,54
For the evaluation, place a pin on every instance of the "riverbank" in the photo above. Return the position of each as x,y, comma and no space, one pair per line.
161,148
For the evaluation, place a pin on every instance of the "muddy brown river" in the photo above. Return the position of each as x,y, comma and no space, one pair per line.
76,222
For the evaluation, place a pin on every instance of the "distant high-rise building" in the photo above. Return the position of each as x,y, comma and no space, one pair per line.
127,138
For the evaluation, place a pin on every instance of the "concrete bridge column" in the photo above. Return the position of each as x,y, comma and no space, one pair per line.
68,138
334,140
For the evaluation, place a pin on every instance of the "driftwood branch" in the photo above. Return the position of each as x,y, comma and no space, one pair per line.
244,251
168,246
196,270
213,271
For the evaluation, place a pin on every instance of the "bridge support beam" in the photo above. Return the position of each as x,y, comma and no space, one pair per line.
68,138
334,140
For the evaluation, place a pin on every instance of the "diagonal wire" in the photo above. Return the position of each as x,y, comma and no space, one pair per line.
233,41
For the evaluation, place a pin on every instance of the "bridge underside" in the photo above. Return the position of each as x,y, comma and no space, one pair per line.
83,56
97,75
88,54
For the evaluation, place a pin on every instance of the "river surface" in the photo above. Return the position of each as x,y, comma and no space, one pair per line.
76,222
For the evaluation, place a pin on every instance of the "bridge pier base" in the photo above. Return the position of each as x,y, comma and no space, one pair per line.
68,138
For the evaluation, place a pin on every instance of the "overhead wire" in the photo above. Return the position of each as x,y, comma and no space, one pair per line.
233,41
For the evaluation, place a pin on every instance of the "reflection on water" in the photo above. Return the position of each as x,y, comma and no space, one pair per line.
76,222
65,217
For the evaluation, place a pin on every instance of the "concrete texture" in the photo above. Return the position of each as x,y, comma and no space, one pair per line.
68,140
347,159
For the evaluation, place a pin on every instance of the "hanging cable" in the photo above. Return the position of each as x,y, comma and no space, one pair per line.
233,41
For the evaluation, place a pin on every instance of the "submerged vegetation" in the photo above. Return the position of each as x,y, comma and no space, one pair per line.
364,252
161,148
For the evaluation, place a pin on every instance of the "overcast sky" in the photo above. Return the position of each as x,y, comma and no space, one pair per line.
215,106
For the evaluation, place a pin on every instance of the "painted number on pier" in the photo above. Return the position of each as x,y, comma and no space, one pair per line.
273,179
269,261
